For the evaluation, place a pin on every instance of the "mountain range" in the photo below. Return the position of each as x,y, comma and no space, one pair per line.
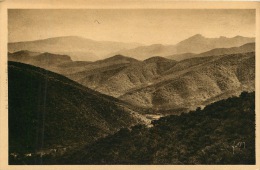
82,49
79,48
159,83
195,44
249,47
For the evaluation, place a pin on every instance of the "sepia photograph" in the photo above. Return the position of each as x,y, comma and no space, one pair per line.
131,86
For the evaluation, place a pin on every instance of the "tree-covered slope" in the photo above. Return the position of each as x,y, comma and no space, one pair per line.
47,110
205,136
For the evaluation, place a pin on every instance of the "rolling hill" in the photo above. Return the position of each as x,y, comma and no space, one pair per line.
145,52
48,111
163,84
116,77
159,83
61,64
183,56
249,47
38,59
194,82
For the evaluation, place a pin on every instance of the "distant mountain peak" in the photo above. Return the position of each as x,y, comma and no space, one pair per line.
22,52
71,38
238,36
47,54
119,57
156,59
198,36
25,53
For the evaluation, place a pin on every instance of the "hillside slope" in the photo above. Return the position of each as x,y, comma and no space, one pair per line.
205,137
47,110
249,47
198,81
117,77
199,43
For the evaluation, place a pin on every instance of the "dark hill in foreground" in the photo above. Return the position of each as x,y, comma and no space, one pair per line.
199,137
47,110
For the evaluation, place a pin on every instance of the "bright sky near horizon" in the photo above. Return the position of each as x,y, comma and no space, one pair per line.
147,26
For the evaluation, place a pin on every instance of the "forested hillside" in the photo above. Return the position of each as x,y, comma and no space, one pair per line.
48,111
221,133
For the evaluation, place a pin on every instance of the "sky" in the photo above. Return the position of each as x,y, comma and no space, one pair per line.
147,26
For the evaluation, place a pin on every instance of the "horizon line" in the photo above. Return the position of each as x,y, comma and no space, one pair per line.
141,44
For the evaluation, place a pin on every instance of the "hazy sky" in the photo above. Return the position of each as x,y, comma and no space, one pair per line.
148,26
